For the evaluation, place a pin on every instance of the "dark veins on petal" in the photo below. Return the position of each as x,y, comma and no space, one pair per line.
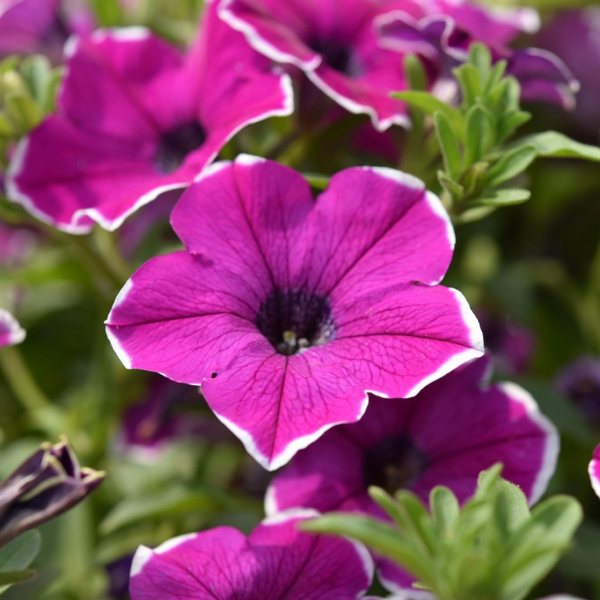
293,321
176,144
393,463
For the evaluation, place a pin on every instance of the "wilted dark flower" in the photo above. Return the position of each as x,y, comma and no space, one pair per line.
47,484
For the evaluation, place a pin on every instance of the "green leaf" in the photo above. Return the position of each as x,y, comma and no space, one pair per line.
509,124
420,522
8,578
511,510
430,104
469,79
317,181
486,480
556,145
445,511
479,133
456,190
170,502
510,165
20,552
495,77
16,556
480,57
448,144
415,73
502,197
381,537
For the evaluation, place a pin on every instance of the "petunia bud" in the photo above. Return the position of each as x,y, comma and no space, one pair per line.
47,484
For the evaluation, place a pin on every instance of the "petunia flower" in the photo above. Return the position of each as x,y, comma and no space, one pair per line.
574,35
334,44
454,429
160,417
512,345
137,119
287,312
594,470
275,562
11,332
43,26
47,484
579,381
443,32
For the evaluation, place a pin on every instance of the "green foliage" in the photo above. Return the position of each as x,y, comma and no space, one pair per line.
493,548
15,557
27,94
472,138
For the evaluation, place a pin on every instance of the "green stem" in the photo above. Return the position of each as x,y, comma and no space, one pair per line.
21,380
109,251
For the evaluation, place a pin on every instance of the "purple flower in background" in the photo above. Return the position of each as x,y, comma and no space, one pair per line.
161,417
455,428
136,119
594,470
43,26
511,345
445,30
10,330
275,562
580,382
47,484
287,312
575,36
334,43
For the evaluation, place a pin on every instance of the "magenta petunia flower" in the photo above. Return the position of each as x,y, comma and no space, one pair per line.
286,311
334,43
43,26
454,429
136,119
594,470
10,330
276,562
443,32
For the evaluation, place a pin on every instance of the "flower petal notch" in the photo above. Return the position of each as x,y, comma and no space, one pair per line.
11,332
594,470
442,33
287,312
454,429
334,43
136,119
275,561
47,484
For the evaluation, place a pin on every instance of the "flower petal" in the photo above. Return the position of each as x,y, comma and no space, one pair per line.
10,330
276,561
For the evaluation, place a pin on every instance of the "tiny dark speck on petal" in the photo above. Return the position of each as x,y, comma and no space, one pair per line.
213,375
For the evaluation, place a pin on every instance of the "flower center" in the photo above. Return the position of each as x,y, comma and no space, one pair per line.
393,463
176,144
337,56
294,320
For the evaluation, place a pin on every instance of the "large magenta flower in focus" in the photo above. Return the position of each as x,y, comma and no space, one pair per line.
275,562
286,311
10,330
454,429
137,119
334,43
